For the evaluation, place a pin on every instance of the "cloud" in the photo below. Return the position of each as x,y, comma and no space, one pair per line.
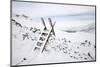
46,10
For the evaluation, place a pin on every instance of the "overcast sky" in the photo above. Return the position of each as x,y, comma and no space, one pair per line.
62,14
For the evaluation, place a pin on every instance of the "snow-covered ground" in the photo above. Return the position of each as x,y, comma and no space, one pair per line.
64,47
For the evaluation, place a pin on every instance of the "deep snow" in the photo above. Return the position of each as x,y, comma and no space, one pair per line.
64,47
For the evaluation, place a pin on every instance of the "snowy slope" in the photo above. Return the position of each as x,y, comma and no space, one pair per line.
64,47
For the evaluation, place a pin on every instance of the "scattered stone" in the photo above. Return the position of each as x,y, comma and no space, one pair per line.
85,58
24,59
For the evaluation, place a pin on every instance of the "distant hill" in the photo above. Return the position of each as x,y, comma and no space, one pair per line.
84,28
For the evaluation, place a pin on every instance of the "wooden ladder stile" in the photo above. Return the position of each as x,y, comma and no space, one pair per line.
48,38
44,36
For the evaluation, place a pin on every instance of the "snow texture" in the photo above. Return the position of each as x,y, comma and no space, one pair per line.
64,47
